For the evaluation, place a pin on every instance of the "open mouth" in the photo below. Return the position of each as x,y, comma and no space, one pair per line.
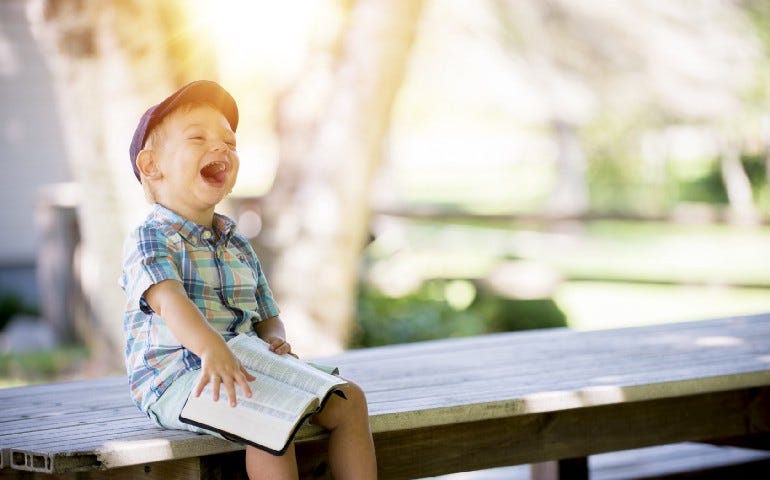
215,172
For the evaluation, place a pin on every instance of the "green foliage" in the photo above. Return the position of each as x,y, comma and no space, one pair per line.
706,188
618,179
507,315
383,320
619,183
757,96
11,305
423,315
709,187
756,169
42,366
759,14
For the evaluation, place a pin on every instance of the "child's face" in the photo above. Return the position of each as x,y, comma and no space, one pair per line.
197,162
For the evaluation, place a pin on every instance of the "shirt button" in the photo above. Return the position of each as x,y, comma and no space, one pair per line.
206,235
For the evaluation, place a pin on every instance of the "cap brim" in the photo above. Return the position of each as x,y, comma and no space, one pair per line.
204,91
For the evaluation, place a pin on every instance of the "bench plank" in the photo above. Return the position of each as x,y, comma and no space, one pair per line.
419,392
522,439
183,469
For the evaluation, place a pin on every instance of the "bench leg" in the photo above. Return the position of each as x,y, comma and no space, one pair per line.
566,469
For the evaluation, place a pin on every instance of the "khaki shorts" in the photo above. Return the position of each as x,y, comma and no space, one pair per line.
165,412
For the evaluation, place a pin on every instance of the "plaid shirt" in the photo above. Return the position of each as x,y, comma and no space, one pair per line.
222,277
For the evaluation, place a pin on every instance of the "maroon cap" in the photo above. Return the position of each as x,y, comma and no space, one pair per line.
197,91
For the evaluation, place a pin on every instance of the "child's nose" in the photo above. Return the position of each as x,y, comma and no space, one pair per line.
219,146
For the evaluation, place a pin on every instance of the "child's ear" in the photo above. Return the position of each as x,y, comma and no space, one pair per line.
147,164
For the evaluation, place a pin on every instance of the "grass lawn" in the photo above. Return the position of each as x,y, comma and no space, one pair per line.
611,273
40,366
596,305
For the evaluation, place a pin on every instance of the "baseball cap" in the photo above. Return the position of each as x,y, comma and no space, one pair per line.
197,91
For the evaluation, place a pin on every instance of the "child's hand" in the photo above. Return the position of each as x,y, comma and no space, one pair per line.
221,368
279,346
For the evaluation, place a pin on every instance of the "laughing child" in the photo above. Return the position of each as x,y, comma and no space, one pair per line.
193,282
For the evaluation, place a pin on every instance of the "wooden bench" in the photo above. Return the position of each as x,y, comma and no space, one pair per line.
446,406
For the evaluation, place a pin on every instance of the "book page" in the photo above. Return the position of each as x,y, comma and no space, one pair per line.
270,427
268,418
285,391
270,397
255,355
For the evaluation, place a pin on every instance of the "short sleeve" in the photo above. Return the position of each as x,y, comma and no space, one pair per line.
148,258
267,306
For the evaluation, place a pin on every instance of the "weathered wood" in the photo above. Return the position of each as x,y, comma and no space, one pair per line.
564,434
184,469
455,405
521,439
678,461
681,460
566,469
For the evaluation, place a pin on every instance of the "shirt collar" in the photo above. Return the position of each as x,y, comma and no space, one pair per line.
195,233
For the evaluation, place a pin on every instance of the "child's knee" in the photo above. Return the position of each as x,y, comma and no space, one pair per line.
340,410
355,396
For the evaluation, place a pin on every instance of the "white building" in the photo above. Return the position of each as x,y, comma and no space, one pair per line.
31,148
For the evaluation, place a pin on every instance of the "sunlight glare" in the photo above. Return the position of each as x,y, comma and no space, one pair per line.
460,294
718,341
255,34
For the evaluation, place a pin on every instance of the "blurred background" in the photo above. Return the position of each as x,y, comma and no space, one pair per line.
410,169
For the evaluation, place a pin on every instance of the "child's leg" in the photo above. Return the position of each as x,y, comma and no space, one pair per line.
351,450
263,465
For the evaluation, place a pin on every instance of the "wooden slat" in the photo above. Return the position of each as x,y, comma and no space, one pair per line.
37,392
531,438
668,462
184,469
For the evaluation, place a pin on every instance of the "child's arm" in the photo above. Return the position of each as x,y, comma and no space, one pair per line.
218,364
271,330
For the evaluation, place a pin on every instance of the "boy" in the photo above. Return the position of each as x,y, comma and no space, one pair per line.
193,282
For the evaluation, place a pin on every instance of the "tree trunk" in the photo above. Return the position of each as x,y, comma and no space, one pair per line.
743,211
110,61
570,194
331,126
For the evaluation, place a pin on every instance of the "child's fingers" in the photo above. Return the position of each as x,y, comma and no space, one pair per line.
245,389
275,342
229,382
216,382
280,346
247,374
243,382
230,389
204,380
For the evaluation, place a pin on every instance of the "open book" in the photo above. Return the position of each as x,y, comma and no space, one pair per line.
285,393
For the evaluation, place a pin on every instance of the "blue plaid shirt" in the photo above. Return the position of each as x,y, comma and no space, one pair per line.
220,273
